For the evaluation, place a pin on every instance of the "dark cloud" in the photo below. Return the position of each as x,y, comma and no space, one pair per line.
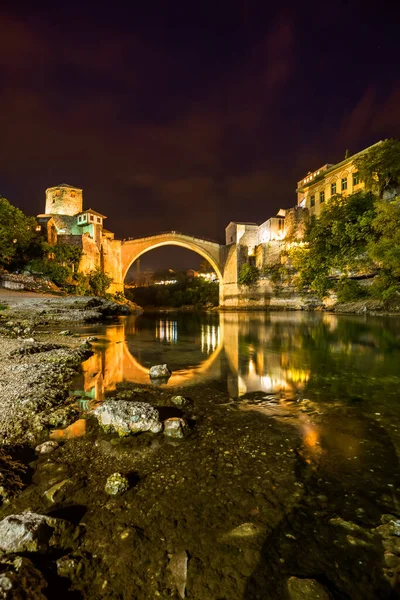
187,119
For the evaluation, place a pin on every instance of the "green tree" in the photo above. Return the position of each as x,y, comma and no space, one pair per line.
379,168
19,240
99,282
248,275
385,248
335,243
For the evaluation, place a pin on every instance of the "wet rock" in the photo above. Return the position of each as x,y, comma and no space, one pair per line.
243,531
55,493
127,418
47,447
19,579
175,427
306,589
159,372
34,348
31,532
65,332
182,402
116,484
389,531
178,570
351,527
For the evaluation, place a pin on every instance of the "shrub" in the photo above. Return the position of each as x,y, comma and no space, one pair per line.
248,275
348,290
99,282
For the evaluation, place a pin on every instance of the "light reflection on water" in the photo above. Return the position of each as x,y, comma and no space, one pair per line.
274,353
320,372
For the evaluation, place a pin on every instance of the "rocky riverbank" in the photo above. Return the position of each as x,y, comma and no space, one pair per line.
243,504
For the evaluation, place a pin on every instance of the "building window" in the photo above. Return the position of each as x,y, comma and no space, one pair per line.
58,192
98,219
72,194
312,200
344,184
231,238
356,179
333,189
91,218
322,197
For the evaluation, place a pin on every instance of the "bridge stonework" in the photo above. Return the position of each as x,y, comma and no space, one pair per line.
214,253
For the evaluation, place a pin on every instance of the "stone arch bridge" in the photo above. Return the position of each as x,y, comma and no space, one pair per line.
217,255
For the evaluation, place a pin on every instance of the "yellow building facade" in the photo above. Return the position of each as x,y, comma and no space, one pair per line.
319,186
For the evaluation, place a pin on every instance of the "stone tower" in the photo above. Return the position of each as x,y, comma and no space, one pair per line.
63,199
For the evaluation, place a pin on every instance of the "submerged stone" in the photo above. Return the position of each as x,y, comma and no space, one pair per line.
57,490
178,569
159,372
47,447
306,589
175,427
243,531
31,532
127,418
181,401
116,484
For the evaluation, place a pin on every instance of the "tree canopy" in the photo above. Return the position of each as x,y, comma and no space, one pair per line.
335,243
19,240
379,167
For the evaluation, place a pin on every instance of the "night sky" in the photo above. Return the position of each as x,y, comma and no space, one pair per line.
188,115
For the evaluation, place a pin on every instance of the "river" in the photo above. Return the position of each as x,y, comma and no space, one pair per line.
290,467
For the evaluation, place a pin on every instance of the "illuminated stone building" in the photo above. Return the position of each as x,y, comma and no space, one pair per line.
65,221
319,186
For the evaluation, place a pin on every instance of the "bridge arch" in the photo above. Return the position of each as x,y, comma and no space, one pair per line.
131,250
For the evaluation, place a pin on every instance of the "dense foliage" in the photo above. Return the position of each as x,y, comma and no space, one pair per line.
336,243
354,236
248,275
19,240
195,291
379,167
384,248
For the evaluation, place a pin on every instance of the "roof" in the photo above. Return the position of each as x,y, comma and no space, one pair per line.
242,223
107,231
94,212
323,174
64,185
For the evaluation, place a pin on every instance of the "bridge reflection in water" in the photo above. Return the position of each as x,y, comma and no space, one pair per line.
232,348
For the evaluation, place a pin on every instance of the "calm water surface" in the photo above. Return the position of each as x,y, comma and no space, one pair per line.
303,437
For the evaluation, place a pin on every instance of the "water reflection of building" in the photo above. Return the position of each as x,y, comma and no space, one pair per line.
262,352
167,331
210,338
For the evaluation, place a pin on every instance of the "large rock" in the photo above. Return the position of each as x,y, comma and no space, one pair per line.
182,402
19,579
175,427
306,589
116,484
125,417
31,532
159,372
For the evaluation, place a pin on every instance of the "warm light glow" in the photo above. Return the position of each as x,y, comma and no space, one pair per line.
209,338
167,331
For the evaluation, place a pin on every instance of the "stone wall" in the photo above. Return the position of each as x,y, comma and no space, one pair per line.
91,255
112,264
63,201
